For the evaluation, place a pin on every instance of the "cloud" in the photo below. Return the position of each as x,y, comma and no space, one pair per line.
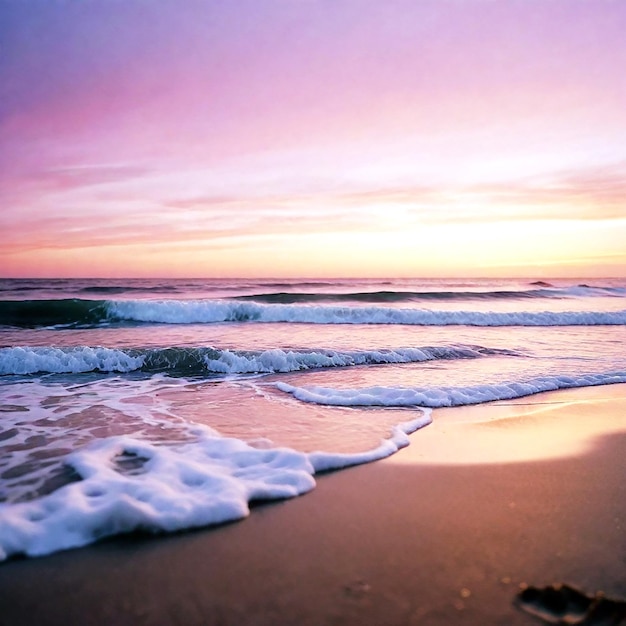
106,205
582,194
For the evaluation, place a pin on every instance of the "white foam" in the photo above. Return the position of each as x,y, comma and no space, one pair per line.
212,311
444,396
209,481
30,360
43,421
289,361
26,360
323,461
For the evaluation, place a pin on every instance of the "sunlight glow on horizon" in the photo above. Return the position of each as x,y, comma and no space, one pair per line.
428,138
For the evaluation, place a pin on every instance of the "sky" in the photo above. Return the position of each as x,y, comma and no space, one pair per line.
318,138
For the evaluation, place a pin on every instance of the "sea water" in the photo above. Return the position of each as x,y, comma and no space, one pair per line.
161,405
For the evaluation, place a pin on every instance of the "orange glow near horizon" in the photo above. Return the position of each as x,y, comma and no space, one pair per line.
340,255
421,138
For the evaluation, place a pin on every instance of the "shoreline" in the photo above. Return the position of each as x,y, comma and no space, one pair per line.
437,534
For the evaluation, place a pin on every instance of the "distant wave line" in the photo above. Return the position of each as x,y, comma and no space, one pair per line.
77,313
288,297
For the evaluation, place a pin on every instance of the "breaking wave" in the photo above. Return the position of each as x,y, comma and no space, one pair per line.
77,313
203,361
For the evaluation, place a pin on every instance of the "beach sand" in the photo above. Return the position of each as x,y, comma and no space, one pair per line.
486,499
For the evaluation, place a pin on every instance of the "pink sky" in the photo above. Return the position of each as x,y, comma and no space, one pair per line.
313,137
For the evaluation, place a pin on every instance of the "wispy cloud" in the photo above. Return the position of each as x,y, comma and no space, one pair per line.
101,205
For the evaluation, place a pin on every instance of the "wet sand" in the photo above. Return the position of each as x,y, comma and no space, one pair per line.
485,499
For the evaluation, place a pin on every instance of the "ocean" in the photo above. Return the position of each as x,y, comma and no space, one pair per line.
166,404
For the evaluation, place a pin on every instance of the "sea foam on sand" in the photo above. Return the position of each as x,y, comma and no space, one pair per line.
127,485
436,397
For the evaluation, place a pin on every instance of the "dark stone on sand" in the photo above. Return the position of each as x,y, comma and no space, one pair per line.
566,605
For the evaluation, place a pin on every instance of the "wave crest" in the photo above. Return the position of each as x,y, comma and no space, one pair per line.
203,361
77,313
203,311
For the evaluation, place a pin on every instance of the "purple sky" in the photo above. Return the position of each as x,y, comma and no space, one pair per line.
312,137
